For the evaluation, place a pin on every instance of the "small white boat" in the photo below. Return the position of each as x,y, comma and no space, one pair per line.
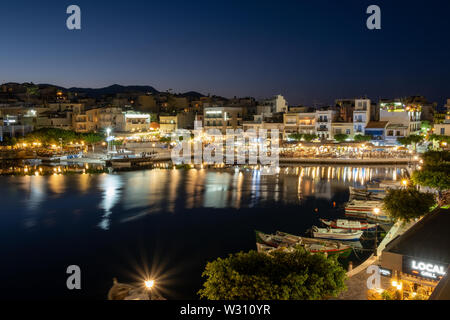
337,234
349,224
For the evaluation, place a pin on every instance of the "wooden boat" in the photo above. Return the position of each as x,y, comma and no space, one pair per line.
285,241
367,209
367,193
337,234
349,224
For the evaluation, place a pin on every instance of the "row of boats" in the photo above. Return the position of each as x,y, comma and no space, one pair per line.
366,203
326,240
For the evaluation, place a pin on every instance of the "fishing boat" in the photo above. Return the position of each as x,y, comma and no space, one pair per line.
349,224
287,242
367,209
336,234
367,193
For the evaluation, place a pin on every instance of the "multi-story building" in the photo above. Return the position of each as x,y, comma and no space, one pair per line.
277,104
443,128
404,119
169,123
323,123
342,128
299,122
132,121
222,118
361,115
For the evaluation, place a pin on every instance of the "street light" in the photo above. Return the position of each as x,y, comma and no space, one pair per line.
108,132
405,182
149,284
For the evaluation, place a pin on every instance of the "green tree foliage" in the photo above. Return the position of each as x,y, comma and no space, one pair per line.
362,138
408,204
49,136
296,275
296,136
411,140
341,137
425,126
8,141
435,172
165,139
309,137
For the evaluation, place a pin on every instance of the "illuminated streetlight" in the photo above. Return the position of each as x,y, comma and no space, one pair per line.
405,182
149,284
376,211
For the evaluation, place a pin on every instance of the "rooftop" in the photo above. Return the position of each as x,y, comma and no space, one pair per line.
428,239
376,125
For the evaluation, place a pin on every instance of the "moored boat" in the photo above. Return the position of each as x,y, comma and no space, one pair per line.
337,234
367,209
349,224
285,241
367,193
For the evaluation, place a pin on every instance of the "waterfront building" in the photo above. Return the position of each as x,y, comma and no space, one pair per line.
377,130
418,259
169,123
361,115
342,128
222,118
403,117
323,123
132,121
299,122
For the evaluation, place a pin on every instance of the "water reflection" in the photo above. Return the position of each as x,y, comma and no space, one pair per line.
132,195
110,185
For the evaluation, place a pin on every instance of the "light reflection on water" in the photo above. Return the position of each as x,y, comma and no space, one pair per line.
136,194
189,217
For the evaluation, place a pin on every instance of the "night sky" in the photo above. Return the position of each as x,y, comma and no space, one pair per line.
308,51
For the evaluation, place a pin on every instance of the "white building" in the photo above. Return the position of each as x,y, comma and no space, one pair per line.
277,104
361,115
403,119
323,123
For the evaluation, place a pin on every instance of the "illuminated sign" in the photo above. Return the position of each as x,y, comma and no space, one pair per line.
385,272
424,269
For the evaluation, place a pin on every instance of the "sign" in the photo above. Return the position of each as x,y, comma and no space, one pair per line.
385,272
424,269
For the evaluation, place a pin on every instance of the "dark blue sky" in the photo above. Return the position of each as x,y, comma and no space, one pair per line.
309,51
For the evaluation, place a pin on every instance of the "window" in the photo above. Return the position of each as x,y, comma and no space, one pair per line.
390,133
347,131
442,131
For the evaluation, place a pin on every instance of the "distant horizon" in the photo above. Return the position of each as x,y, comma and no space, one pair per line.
439,104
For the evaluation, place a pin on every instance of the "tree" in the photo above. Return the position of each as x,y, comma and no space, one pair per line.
362,138
341,137
296,136
8,141
407,204
309,137
165,139
92,138
411,140
297,275
435,172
